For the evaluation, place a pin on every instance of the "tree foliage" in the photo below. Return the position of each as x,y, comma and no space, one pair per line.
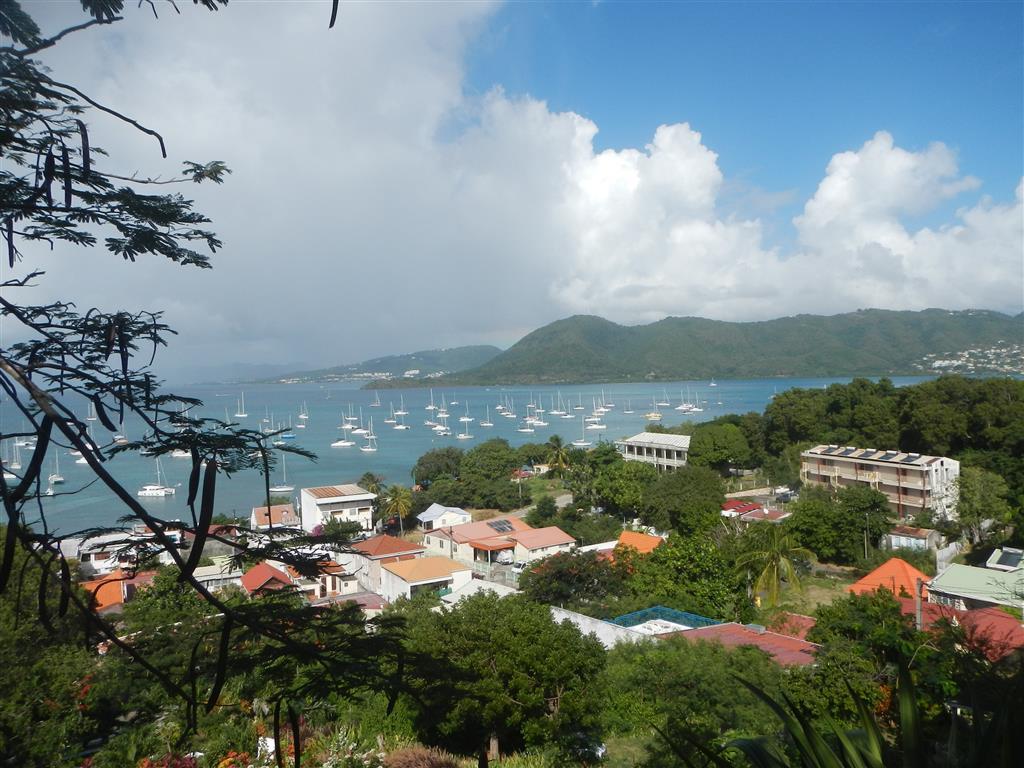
689,501
572,579
834,527
502,668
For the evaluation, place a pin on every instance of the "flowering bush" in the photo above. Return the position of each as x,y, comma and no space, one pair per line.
344,751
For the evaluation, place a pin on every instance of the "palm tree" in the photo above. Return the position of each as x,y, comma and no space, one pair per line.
772,554
374,484
558,455
397,503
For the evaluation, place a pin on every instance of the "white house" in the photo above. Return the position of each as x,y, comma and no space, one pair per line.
663,451
365,558
105,553
438,516
408,578
502,539
218,575
344,503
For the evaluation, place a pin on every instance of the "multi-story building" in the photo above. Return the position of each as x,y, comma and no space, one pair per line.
910,481
665,452
344,503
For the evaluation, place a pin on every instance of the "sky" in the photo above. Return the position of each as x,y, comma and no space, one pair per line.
430,174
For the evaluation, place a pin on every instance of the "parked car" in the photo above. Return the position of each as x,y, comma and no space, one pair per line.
519,567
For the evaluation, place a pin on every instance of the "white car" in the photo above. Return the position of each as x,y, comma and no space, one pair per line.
519,567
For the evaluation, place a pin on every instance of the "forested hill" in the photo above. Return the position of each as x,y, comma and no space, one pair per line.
426,362
869,342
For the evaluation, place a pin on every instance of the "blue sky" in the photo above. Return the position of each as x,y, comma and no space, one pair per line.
776,88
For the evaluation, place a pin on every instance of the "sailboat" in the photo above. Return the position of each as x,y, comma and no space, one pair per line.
283,487
376,400
371,440
401,407
467,418
91,416
342,442
157,489
431,407
304,412
664,402
653,414
629,406
240,413
579,407
464,434
487,419
360,430
401,422
391,419
55,476
712,384
582,442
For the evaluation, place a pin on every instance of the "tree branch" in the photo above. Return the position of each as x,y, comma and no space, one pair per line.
50,41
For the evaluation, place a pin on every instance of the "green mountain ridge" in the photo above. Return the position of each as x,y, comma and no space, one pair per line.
429,361
587,348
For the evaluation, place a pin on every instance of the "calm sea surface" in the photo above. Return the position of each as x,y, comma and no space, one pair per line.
397,450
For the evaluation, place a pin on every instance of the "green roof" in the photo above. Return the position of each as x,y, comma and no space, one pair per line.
983,584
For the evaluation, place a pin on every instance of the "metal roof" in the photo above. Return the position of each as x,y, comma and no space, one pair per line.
870,454
659,440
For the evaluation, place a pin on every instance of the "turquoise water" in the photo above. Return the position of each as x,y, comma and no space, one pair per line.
397,450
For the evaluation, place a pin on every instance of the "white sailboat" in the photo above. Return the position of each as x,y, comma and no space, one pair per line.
464,434
487,419
376,400
629,406
391,419
401,407
579,406
360,430
240,413
91,416
431,407
467,418
371,440
284,487
401,422
342,442
582,442
304,411
157,489
56,477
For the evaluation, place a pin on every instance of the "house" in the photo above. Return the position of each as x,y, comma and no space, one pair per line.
663,451
785,650
367,556
990,631
765,515
643,543
340,503
911,482
502,539
909,537
274,516
474,542
539,543
438,516
107,552
966,587
1005,559
218,575
793,624
264,578
110,592
408,578
331,581
733,508
895,575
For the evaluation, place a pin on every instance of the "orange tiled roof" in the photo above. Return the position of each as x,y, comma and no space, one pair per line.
539,538
330,491
896,575
278,514
424,568
641,542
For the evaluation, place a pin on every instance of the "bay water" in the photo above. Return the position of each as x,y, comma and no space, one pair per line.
327,404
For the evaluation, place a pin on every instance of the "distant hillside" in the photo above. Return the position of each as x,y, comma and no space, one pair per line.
426,363
586,348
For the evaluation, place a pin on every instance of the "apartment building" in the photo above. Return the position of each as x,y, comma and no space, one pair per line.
910,481
665,452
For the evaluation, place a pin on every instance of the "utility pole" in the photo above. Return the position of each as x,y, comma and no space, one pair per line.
865,535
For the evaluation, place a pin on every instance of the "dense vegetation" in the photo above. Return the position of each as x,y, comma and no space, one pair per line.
870,342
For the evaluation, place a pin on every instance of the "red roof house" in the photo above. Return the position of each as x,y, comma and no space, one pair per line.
787,651
265,578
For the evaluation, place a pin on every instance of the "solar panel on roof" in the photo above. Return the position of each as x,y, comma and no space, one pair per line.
1009,558
830,450
848,451
501,526
909,459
